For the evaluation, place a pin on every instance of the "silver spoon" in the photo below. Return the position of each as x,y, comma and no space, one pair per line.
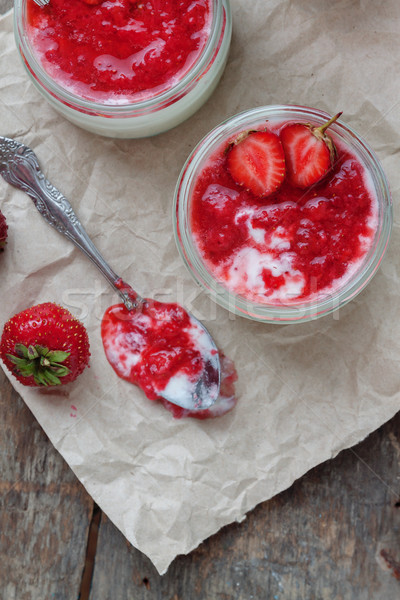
19,166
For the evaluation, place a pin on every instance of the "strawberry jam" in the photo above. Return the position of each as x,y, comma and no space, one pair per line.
162,350
291,246
119,51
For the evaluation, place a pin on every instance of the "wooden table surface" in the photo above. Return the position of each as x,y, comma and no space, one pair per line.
335,534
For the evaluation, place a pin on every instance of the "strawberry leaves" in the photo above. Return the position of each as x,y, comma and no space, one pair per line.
44,365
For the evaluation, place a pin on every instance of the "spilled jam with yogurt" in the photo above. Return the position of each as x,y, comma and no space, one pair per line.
292,246
161,349
118,51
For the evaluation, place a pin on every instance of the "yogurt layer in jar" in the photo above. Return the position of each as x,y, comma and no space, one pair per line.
124,68
296,254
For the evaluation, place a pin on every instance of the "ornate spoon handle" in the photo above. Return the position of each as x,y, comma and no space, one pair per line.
19,166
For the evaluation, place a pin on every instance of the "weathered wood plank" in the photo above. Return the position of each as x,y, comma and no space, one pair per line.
320,539
44,510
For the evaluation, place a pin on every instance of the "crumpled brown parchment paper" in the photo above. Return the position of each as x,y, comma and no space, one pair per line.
306,391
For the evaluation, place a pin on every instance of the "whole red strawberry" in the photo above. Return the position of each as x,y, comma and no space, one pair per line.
310,152
45,345
3,231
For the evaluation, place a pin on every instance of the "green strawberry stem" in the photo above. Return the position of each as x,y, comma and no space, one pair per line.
44,365
325,126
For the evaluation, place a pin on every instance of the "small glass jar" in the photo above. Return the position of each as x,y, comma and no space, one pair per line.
292,312
146,117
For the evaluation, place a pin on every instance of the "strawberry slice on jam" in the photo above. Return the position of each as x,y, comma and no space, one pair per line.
257,162
309,152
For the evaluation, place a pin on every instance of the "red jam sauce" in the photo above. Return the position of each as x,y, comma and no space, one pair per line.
159,348
118,50
292,246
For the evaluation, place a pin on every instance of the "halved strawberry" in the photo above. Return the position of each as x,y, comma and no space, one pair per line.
3,231
256,161
310,153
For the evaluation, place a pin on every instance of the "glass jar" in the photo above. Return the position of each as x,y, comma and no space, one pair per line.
293,311
145,117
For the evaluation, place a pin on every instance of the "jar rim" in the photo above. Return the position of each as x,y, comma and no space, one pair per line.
279,313
220,17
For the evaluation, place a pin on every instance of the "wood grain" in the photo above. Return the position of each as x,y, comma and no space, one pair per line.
44,510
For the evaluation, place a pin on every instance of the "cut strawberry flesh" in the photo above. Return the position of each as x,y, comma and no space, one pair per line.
257,162
308,158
